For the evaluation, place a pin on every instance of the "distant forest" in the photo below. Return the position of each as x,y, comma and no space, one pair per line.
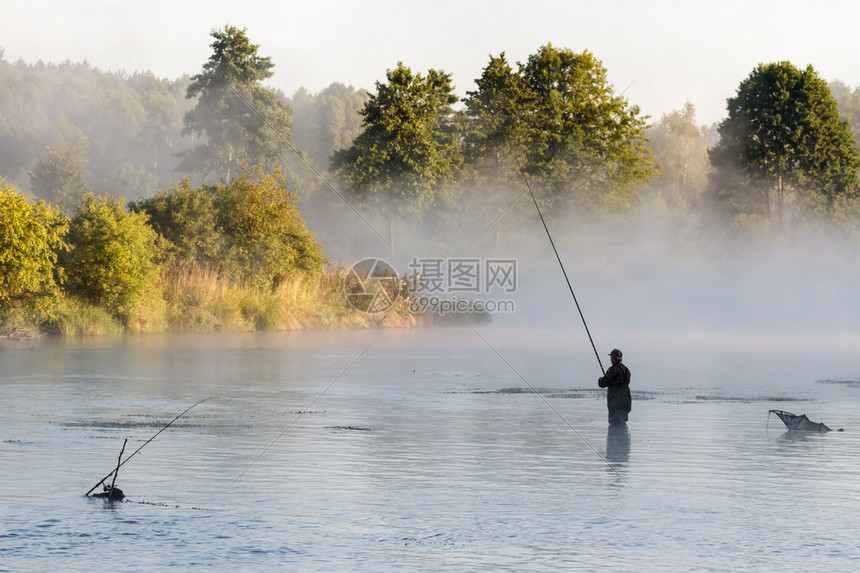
69,128
125,131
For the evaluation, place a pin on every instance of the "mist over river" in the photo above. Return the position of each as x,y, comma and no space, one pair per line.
478,447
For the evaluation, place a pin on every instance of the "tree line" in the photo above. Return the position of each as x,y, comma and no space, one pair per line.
69,128
411,144
212,163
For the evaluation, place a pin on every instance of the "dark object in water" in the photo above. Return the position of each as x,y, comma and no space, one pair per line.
799,423
110,494
121,462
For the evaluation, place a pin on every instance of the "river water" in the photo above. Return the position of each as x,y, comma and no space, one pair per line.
436,449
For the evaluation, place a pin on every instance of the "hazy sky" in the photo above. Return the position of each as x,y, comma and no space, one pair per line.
670,51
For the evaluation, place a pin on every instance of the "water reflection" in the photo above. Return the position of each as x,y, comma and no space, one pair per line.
617,445
790,438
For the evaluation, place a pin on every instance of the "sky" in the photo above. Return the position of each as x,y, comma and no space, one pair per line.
660,54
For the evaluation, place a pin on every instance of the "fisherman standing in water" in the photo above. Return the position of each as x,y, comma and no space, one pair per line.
617,384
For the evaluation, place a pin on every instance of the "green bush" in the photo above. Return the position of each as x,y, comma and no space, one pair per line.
266,238
186,217
249,229
30,237
113,258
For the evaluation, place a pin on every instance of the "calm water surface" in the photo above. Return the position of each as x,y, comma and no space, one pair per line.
427,449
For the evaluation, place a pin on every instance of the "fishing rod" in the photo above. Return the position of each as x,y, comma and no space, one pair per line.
560,263
116,470
110,490
581,316
543,221
572,293
552,243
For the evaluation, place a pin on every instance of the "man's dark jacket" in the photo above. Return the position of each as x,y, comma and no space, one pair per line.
617,383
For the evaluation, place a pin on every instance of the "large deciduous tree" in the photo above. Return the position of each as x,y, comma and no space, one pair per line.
588,144
566,128
782,144
408,149
494,112
235,117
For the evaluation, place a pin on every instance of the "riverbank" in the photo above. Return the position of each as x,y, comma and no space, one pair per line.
200,300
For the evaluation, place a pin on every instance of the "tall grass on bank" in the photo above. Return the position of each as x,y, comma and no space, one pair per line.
79,318
199,299
17,320
66,316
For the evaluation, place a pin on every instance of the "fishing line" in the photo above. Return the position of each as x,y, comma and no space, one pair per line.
145,443
545,401
303,412
306,162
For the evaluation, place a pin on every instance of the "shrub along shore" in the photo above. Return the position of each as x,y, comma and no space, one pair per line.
222,258
200,300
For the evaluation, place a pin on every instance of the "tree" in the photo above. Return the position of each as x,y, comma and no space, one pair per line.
30,237
585,144
113,257
848,101
59,179
327,121
235,118
266,238
109,119
783,140
187,218
680,148
494,112
158,142
130,180
408,149
559,119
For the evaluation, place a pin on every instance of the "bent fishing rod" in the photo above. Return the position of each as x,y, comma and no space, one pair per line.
546,228
122,463
560,263
581,316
